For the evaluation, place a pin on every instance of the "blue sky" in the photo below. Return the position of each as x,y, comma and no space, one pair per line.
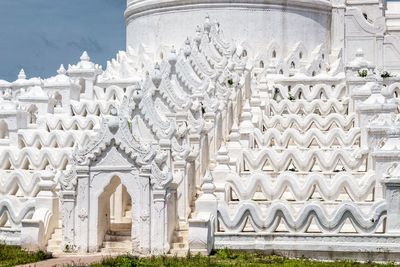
39,35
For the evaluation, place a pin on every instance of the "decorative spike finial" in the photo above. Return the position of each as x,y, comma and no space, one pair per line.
85,56
156,76
172,57
188,48
207,24
22,74
223,155
208,186
197,38
61,70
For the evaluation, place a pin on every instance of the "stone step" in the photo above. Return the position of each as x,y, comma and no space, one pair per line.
119,244
123,220
179,246
115,250
126,220
178,239
54,250
56,236
54,243
57,231
120,226
54,246
183,226
119,233
179,252
180,236
182,233
124,237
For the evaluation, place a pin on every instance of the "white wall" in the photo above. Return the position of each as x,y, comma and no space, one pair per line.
287,23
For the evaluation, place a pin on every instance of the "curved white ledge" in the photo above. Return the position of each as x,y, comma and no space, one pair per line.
147,7
162,23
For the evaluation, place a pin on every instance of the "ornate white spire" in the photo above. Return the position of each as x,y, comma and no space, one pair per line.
22,75
62,70
85,57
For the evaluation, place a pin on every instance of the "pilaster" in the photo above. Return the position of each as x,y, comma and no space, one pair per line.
82,208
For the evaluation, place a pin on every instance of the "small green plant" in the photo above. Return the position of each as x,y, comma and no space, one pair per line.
14,255
363,73
225,254
226,257
291,97
69,248
386,74
230,82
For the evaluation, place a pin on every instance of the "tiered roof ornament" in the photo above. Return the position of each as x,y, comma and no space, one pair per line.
84,68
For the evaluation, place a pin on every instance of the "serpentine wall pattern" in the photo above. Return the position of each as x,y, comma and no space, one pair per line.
211,148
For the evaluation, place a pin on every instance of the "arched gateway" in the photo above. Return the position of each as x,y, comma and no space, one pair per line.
115,158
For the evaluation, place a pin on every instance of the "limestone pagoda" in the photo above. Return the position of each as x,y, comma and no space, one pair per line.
266,125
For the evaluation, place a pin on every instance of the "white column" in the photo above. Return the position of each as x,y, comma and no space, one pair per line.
393,205
159,243
82,209
118,208
337,26
68,220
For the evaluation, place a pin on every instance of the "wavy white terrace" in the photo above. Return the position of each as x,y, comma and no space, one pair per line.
54,138
319,106
309,138
22,183
278,140
302,188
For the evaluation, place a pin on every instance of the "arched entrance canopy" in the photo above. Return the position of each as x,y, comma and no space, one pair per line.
142,168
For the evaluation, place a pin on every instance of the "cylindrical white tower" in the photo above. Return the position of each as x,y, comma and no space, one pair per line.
255,22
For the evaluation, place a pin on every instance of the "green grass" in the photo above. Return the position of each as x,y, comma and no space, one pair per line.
13,255
227,258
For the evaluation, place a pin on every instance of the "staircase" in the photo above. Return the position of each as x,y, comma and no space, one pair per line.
54,243
118,237
179,245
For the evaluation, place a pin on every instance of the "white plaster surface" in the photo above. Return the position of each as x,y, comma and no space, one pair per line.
278,141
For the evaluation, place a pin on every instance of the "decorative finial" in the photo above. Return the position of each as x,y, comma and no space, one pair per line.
234,135
208,186
156,77
137,93
207,24
85,56
172,57
61,70
22,75
188,48
223,155
197,39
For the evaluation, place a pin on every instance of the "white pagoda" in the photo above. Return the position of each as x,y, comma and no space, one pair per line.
268,125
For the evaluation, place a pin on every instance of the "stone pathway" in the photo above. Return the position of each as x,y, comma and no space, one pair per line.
65,260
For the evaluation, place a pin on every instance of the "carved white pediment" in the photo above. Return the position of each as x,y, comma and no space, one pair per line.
115,145
113,157
115,130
